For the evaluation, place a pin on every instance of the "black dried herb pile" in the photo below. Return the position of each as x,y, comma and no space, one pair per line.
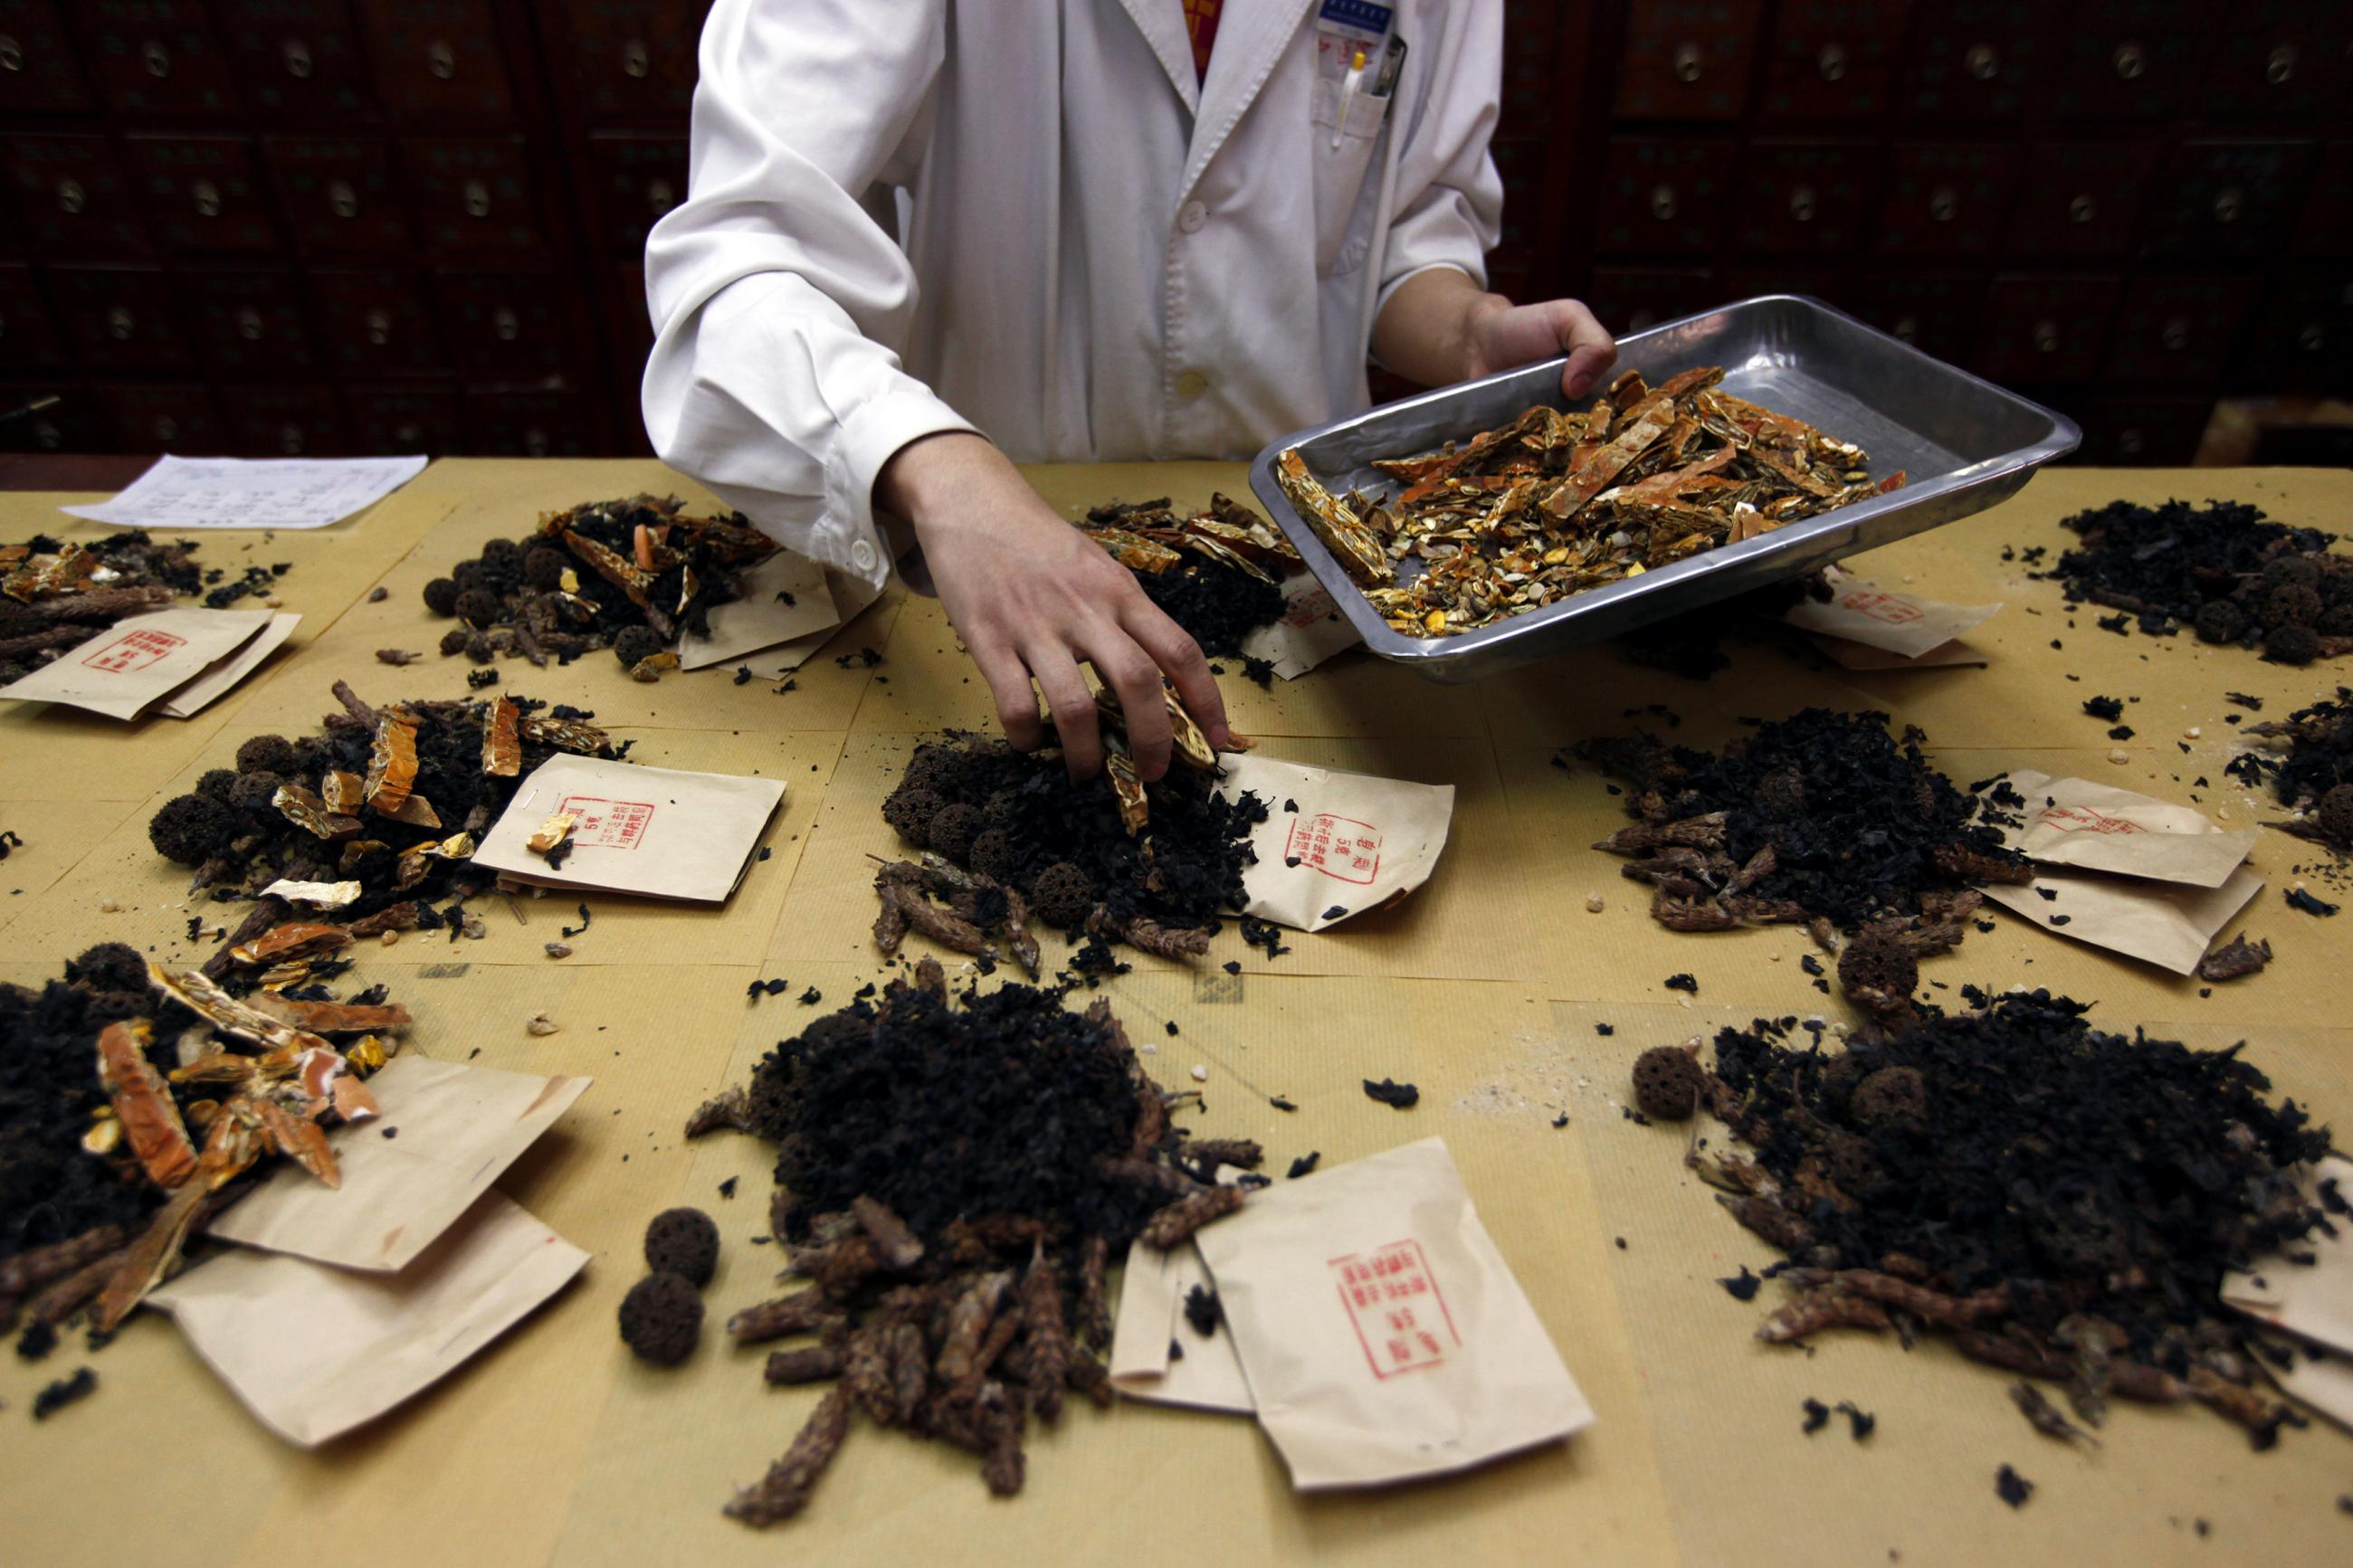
2309,768
1008,836
626,574
955,1175
1821,818
55,594
1218,573
2224,570
390,798
2062,1200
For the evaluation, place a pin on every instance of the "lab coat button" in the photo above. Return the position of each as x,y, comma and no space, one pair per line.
1192,384
1191,216
861,554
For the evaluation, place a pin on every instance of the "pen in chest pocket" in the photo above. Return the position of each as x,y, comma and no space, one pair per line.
1348,85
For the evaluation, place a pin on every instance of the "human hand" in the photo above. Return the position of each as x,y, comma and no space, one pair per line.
1030,596
1504,336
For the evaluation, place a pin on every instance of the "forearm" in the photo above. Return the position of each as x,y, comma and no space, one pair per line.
1430,330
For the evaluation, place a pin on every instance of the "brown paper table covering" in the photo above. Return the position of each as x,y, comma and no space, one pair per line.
1484,987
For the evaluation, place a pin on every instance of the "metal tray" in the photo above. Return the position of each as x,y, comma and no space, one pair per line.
1964,443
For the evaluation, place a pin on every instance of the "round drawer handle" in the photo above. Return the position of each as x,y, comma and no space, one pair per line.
661,196
1944,204
2129,62
120,324
250,325
1907,329
477,199
409,434
2313,339
1982,61
2280,65
342,200
2174,334
295,56
441,60
1662,202
1687,62
168,429
379,327
636,60
71,198
535,442
208,198
2130,442
506,324
2229,203
2082,209
12,54
2046,336
157,59
1802,204
48,437
290,440
1831,62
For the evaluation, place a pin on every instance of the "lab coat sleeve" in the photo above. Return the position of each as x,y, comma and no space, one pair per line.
778,302
1447,206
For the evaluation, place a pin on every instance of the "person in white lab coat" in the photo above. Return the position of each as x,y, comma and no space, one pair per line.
1118,249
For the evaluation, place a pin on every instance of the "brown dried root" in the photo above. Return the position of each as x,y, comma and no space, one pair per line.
1094,1299
1151,1176
2127,1380
1209,1153
1931,1306
730,1109
2044,1417
1150,936
783,1491
968,1322
1824,1308
28,1271
1768,1220
2261,1417
803,1312
1179,1220
815,1365
1048,1336
900,1246
866,1374
60,1298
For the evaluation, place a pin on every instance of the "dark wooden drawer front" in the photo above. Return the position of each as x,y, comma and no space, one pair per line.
2127,59
473,195
2302,339
1665,196
2082,199
408,419
1687,59
1973,59
437,60
29,333
2177,332
287,422
1946,199
1804,198
121,319
203,193
2229,198
633,59
377,323
505,325
527,422
1631,299
155,56
338,194
38,71
174,417
1938,315
296,59
637,179
2044,330
1830,59
74,197
249,322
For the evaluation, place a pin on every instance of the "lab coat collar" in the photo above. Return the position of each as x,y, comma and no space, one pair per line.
1162,22
1251,39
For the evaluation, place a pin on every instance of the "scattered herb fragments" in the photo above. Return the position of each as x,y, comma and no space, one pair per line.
64,1392
1558,503
58,593
1304,1165
1819,817
2062,1201
1859,1422
2013,1487
2306,761
1007,834
1818,1414
2234,961
1202,1311
2225,571
1218,573
1743,1285
2105,709
629,575
954,1178
2298,899
9,842
1396,1096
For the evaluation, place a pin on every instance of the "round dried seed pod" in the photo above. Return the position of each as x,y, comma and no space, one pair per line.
544,566
109,966
635,643
1876,960
441,595
661,1318
1064,895
256,791
684,1242
218,782
2336,621
954,827
994,853
2292,570
2334,815
933,767
189,828
501,554
1852,1163
2291,604
1893,1097
1003,810
481,649
1667,1082
910,812
267,754
477,607
2220,621
1782,792
2291,645
454,641
466,575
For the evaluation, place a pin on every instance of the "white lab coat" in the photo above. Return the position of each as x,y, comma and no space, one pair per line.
1106,260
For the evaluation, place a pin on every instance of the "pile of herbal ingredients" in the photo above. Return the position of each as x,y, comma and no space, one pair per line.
955,1176
55,594
2308,764
1217,572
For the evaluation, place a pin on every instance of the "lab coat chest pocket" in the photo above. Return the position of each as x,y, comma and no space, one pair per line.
1343,142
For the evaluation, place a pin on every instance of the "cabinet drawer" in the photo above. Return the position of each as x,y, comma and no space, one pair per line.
2142,432
121,319
1664,197
249,322
2302,340
172,417
2326,226
1938,315
1804,198
203,193
2044,330
74,197
437,60
637,179
1946,199
504,325
338,194
155,56
376,323
2228,198
1973,59
473,195
72,425
635,58
1633,299
407,419
295,59
2127,59
543,420
29,333
2177,332
2267,60
1830,59
2082,199
286,421
1687,59
629,328
37,72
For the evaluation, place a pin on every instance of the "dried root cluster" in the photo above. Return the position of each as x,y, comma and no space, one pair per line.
133,1102
358,829
1822,819
628,575
2062,1202
1557,502
954,1177
1217,572
2309,765
55,595
1006,837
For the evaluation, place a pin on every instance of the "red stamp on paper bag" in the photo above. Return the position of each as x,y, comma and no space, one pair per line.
133,651
606,824
1339,847
1310,606
1891,609
1397,1309
2082,819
